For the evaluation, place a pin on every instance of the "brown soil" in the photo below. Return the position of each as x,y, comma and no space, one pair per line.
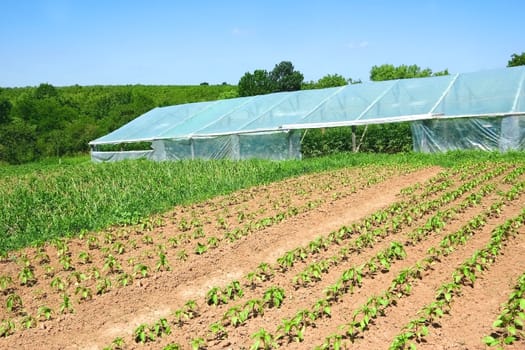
322,204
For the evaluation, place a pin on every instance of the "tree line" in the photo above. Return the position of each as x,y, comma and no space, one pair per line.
48,121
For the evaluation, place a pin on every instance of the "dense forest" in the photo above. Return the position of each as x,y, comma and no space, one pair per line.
48,121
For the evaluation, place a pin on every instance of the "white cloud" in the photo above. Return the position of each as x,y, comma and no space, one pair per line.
358,45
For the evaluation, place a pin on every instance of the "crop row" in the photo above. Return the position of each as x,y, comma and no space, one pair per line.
509,325
464,275
265,273
113,269
86,282
401,285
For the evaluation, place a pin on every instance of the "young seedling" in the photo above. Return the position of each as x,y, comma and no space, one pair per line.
42,258
14,303
66,306
198,343
273,297
322,308
161,327
44,312
111,264
163,264
119,248
141,269
6,283
28,321
181,316
182,255
92,242
217,331
124,279
7,327
213,242
263,340
26,276
147,239
254,307
291,330
103,286
333,341
235,316
191,308
142,334
232,291
117,344
85,293
58,284
76,277
201,248
213,297
65,261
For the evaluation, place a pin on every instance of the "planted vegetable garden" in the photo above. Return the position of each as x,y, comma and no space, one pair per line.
368,257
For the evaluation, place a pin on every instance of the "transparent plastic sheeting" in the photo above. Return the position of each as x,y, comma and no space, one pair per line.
488,134
274,146
493,93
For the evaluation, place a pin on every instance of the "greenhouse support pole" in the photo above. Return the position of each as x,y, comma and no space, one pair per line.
290,145
192,149
354,146
235,146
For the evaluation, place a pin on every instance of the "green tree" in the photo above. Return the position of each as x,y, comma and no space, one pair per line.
45,90
5,111
285,78
258,83
390,72
331,80
233,93
18,142
516,60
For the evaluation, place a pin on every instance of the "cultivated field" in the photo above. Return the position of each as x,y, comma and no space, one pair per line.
369,257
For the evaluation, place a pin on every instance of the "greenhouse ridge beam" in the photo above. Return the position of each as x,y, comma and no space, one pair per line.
409,118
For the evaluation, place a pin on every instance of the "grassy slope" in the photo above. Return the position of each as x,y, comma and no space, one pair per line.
42,201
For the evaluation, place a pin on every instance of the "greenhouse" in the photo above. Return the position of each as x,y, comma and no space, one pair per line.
481,110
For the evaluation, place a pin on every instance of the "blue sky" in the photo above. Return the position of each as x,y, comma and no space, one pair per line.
88,42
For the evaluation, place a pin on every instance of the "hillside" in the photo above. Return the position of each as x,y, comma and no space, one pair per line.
44,121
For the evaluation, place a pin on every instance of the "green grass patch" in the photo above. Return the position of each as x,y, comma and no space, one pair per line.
42,201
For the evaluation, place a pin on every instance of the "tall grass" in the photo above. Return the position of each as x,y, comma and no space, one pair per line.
42,202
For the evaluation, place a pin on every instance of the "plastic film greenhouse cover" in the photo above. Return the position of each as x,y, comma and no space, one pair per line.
482,110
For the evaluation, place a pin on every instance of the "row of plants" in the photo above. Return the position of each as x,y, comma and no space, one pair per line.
509,325
401,286
112,246
112,268
40,205
237,315
293,329
464,275
104,284
264,273
370,234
